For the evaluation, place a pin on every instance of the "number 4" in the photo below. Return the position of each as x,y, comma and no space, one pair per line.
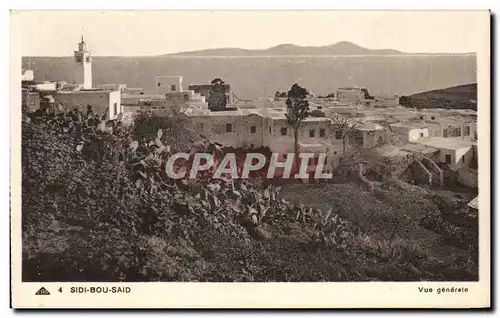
60,289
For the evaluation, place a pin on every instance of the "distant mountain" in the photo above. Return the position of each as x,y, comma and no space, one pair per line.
456,97
340,48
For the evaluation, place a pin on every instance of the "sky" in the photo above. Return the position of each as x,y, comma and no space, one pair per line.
139,33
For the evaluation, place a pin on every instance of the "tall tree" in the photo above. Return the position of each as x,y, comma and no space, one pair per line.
217,98
344,128
297,111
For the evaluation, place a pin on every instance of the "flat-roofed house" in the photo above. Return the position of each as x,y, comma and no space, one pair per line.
457,153
410,131
103,102
351,94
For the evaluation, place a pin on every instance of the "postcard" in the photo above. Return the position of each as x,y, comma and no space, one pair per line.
250,159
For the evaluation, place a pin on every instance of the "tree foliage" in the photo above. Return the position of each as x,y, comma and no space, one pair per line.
345,127
217,96
297,110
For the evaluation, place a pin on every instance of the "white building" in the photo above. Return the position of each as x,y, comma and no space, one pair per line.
254,128
28,75
168,84
410,131
352,95
457,153
385,101
103,102
120,87
83,66
45,86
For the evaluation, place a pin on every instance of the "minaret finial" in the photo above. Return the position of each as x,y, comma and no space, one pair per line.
82,37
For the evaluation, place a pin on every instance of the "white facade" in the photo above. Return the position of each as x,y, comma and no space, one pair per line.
385,101
410,131
457,153
120,87
103,102
247,128
28,75
45,86
353,95
416,133
83,66
168,84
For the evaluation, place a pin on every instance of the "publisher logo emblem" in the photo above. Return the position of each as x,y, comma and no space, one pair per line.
42,291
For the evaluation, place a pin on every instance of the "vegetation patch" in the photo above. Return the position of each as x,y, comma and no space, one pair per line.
97,206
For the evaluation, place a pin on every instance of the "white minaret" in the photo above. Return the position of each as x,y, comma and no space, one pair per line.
83,66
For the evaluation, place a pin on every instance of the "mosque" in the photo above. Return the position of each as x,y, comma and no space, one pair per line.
79,94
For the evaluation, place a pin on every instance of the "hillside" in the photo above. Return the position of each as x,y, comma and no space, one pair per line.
456,97
105,211
340,48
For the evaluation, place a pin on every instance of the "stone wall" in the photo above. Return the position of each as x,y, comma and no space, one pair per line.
467,177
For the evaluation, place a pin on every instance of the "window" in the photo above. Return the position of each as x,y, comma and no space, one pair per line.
445,133
467,130
229,128
322,132
459,132
338,134
115,107
173,88
320,107
421,135
78,59
432,118
334,152
283,131
311,133
87,59
269,129
158,84
253,129
448,159
421,117
186,97
463,159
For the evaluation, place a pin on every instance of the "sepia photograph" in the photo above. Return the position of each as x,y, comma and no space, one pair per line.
235,147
